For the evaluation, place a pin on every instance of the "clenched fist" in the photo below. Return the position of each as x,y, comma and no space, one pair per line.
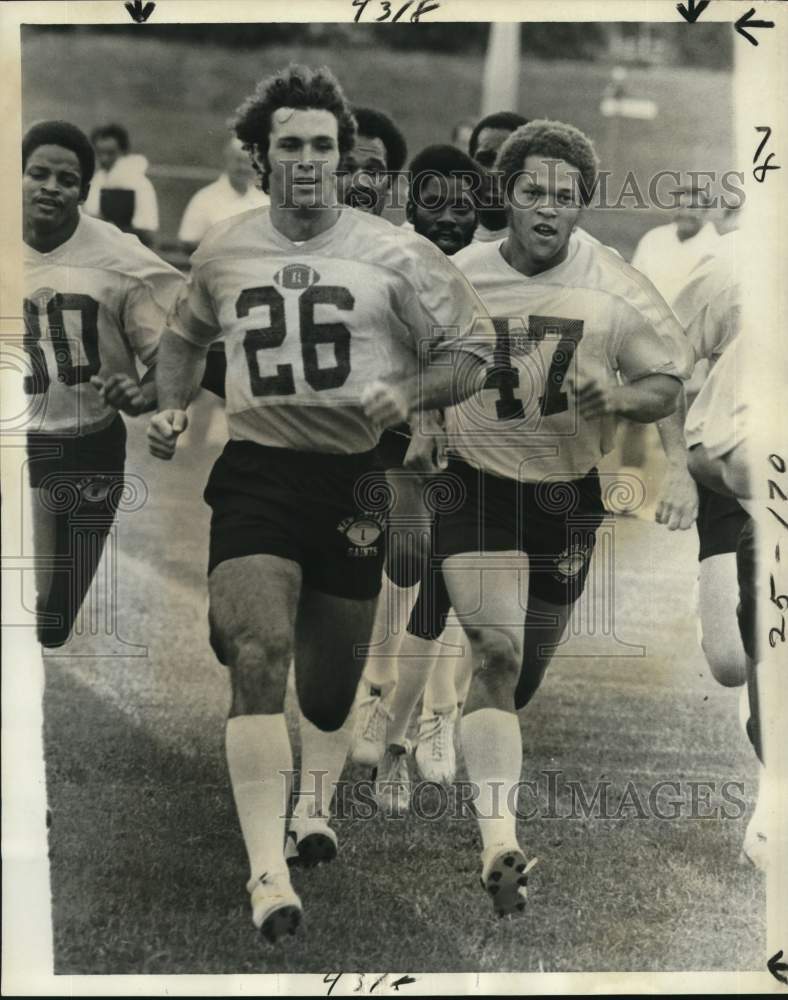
163,432
122,392
386,404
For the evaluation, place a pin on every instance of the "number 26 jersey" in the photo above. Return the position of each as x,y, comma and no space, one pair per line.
551,329
308,326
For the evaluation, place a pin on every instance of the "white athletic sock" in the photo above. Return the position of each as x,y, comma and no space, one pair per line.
323,757
493,750
394,607
259,756
415,662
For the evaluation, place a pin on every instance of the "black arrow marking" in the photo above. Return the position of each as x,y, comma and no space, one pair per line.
693,10
407,980
744,22
777,968
140,12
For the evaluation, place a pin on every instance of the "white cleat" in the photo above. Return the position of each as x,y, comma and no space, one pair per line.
435,756
276,909
392,781
505,877
369,735
310,841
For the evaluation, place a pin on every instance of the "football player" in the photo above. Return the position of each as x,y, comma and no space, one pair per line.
442,207
709,309
332,319
486,139
581,339
375,160
95,301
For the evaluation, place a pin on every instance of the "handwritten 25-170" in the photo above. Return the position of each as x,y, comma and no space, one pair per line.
422,7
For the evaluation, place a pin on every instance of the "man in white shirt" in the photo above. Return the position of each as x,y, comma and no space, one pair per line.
667,254
233,192
120,191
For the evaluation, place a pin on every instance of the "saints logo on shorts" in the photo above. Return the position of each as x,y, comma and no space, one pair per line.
362,532
571,562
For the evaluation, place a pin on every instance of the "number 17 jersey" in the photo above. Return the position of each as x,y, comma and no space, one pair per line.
551,329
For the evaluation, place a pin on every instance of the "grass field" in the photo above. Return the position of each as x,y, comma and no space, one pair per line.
148,867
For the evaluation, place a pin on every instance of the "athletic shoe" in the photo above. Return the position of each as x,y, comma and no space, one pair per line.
310,841
276,909
392,781
369,734
505,876
435,757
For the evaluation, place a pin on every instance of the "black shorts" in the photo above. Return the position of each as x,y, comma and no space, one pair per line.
89,465
554,522
325,512
83,479
393,446
719,524
746,572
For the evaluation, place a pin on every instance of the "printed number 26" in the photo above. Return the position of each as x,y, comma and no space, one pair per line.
312,334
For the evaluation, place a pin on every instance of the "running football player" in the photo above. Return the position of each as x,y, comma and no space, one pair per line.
332,320
441,207
581,339
95,301
377,156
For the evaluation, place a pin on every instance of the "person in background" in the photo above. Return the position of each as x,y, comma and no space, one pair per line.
121,192
462,132
233,192
369,167
667,254
486,139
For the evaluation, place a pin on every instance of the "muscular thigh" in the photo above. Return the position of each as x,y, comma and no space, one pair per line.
253,598
489,590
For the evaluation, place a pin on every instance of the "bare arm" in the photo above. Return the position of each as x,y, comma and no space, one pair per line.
677,504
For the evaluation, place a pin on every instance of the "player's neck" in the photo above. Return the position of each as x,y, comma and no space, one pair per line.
46,242
299,224
520,258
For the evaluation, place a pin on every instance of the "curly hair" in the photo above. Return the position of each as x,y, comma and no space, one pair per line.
112,131
60,133
377,125
555,140
293,87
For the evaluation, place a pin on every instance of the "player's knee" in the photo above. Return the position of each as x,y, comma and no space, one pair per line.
326,718
259,664
496,653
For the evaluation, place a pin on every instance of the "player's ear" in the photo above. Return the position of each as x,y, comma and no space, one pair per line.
410,211
83,194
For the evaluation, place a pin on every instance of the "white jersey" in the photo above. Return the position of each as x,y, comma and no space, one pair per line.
567,321
308,326
92,306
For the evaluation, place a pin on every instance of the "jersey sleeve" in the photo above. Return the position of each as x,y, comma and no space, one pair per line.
193,316
146,307
649,345
718,417
439,304
710,312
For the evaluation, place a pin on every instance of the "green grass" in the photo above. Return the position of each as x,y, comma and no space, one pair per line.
148,867
175,100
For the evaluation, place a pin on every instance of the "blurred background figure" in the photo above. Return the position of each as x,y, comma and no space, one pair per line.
461,134
233,192
667,255
120,191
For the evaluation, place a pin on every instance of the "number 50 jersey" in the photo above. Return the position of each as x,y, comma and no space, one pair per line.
308,326
552,328
93,306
